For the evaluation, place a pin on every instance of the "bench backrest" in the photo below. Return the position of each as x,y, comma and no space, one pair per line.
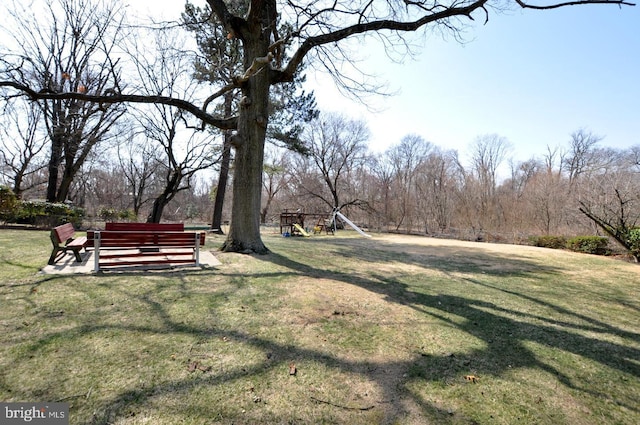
63,233
145,227
91,235
116,239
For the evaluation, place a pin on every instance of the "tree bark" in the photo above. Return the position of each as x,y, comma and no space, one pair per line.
158,207
244,233
54,166
216,221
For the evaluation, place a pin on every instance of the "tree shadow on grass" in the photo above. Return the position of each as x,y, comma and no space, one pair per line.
503,331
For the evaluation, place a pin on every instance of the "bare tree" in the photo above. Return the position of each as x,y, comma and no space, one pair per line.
317,31
183,150
406,157
277,172
138,162
382,170
21,159
613,203
581,155
488,152
337,146
220,61
436,184
67,50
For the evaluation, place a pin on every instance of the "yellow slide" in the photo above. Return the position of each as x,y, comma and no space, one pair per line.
301,230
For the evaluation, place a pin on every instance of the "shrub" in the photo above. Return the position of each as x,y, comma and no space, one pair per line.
8,204
548,241
108,214
589,244
112,214
127,215
48,214
633,240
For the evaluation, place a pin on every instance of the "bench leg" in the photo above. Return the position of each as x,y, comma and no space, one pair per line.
52,258
76,252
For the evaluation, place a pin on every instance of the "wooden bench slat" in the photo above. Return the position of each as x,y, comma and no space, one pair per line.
81,242
142,263
142,227
139,254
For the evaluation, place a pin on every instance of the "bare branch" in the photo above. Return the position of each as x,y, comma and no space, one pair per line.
217,94
572,3
223,124
374,26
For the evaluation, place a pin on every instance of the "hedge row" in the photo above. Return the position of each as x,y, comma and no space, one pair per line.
588,244
37,213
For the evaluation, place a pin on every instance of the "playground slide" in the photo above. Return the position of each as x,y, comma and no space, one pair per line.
301,230
350,223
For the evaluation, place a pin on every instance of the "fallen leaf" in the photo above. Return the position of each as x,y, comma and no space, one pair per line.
292,369
204,368
471,378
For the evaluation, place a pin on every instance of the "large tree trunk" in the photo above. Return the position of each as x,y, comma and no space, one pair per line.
244,233
216,222
158,207
54,166
68,175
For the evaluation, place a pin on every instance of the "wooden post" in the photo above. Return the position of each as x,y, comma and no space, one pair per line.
96,251
197,249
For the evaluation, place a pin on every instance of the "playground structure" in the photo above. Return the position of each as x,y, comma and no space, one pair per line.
292,223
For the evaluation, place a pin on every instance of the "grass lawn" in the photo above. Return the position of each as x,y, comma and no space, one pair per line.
392,330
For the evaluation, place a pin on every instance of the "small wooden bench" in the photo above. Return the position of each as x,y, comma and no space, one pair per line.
145,248
62,238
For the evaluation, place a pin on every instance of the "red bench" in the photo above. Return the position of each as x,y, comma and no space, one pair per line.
143,227
62,238
118,249
145,244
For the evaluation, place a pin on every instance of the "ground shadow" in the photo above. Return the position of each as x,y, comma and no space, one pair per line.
503,335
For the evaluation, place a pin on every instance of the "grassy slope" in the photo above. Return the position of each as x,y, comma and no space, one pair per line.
380,331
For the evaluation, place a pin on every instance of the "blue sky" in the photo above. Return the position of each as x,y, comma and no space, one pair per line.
532,77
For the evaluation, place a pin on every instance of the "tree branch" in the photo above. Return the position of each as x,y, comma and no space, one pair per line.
217,94
373,26
221,123
431,16
524,5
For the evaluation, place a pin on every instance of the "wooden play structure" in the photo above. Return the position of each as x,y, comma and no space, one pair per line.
292,223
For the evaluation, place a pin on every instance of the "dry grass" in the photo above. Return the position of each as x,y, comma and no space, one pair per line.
380,331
